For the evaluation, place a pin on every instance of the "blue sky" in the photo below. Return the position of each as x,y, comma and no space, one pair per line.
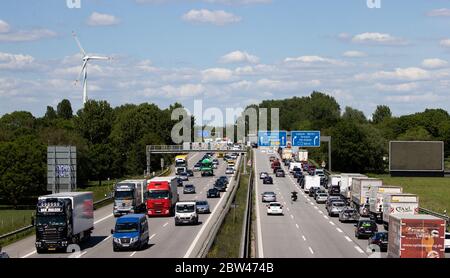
227,52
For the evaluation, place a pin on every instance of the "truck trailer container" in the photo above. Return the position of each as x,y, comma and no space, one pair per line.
399,204
376,199
345,185
360,193
310,182
129,197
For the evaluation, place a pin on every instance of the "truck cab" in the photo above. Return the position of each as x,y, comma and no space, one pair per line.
128,197
186,213
130,232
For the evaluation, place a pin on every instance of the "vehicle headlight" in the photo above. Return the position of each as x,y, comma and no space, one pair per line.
134,239
116,240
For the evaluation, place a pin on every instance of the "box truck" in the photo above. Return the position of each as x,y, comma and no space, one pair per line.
360,193
303,155
129,197
286,154
399,204
376,199
346,183
310,182
63,219
333,186
416,236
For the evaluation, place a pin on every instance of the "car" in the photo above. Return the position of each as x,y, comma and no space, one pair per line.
334,190
215,161
262,175
312,190
333,198
190,173
130,232
280,173
186,213
321,198
213,193
189,189
276,168
348,214
220,185
301,181
203,207
197,167
214,166
184,176
268,180
335,208
272,158
179,182
320,190
269,197
297,174
225,179
379,239
365,228
274,208
3,255
254,145
447,242
229,171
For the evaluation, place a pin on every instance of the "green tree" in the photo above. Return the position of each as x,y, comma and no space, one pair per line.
17,124
64,109
418,133
94,121
104,162
382,113
354,115
50,114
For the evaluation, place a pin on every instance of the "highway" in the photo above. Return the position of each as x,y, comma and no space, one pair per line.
305,230
166,240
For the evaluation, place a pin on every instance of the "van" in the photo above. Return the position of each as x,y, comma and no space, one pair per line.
186,213
130,233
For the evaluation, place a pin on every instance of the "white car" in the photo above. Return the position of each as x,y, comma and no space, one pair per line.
229,171
274,208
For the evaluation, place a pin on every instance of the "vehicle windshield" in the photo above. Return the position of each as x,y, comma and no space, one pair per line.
188,186
202,203
269,193
183,174
185,208
51,220
323,195
123,195
349,211
158,194
337,204
126,227
275,205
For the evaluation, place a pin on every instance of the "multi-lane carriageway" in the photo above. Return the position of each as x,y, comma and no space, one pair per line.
305,230
166,240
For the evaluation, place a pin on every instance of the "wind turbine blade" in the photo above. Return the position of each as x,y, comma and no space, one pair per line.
99,58
82,70
79,44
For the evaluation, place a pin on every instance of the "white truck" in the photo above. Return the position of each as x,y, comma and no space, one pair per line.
346,183
63,219
399,204
310,182
292,165
376,199
360,193
129,197
186,213
286,154
303,155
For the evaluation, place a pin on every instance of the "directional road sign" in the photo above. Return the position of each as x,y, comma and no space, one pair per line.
306,138
272,138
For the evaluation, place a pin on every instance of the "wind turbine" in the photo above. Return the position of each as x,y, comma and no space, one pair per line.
86,59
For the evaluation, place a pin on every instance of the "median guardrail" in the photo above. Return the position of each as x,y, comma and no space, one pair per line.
246,228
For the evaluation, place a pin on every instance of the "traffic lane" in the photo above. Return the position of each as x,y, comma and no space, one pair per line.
281,236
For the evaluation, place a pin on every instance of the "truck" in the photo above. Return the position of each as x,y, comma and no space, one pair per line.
207,168
161,196
181,163
286,154
292,165
416,236
275,164
63,219
333,186
302,155
376,200
129,197
399,204
345,185
360,193
310,182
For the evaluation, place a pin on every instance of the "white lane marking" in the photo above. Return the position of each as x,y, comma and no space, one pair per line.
103,219
132,254
152,236
348,239
167,223
304,238
331,222
339,230
288,209
292,216
296,225
316,207
106,238
312,204
308,200
77,255
326,217
310,250
284,203
320,212
359,249
29,254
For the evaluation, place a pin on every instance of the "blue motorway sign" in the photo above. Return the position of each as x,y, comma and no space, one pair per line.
272,138
305,138
203,133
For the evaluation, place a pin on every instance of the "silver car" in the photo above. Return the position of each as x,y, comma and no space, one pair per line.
348,214
203,207
321,198
335,208
269,197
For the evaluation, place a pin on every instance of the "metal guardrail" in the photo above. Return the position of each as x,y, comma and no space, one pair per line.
246,228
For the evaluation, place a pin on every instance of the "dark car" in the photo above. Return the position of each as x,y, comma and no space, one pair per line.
312,190
224,178
220,185
280,173
301,181
276,168
365,228
213,193
184,176
334,190
297,173
179,182
268,180
189,189
254,145
380,239
190,173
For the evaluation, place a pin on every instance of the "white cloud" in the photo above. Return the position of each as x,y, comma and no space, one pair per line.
184,91
26,35
239,57
427,98
4,26
411,74
403,87
445,43
313,60
219,18
354,54
378,38
98,19
217,75
439,12
434,63
15,61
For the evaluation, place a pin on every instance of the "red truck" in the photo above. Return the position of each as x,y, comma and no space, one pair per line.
416,236
276,164
161,196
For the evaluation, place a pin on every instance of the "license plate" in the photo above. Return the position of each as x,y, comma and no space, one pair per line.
52,249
